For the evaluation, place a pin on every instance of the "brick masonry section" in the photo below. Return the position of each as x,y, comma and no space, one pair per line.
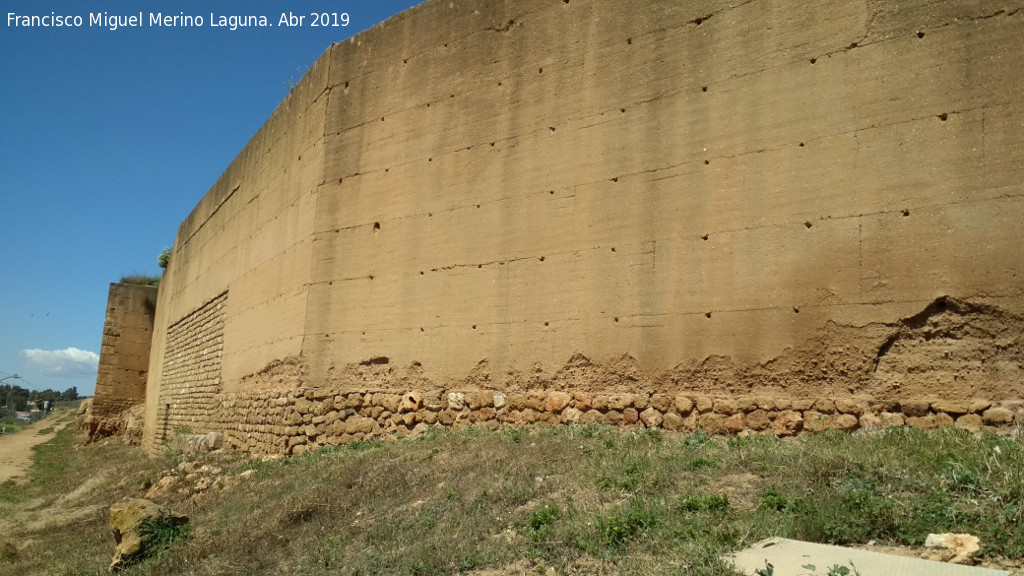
191,370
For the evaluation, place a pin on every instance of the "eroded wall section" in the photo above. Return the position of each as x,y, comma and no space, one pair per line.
714,199
124,356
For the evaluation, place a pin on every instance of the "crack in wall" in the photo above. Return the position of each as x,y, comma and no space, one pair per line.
860,260
972,19
503,28
418,215
210,217
872,23
701,19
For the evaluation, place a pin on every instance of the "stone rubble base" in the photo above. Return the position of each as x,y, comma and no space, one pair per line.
302,420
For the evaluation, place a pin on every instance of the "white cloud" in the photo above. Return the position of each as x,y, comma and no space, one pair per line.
69,362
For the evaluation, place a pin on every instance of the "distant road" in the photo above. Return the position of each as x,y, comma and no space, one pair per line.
16,448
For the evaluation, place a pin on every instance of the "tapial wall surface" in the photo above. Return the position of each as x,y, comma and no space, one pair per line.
737,201
124,355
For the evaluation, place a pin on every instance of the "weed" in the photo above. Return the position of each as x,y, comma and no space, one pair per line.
359,446
163,532
164,259
540,521
8,551
717,504
653,434
698,439
932,512
834,570
772,500
140,280
630,479
587,431
515,434
700,463
963,479
634,522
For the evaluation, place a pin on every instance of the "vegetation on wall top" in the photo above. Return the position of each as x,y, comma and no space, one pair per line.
164,259
141,280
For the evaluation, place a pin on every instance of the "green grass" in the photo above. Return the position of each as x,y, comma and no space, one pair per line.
162,533
557,500
62,412
11,424
140,279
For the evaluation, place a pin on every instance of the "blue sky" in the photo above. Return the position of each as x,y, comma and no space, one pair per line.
108,138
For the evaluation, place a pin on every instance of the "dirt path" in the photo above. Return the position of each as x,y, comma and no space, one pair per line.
16,449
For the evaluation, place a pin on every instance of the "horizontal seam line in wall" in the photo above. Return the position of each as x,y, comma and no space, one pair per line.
216,210
785,309
420,104
210,217
259,155
577,251
681,25
790,223
697,161
215,300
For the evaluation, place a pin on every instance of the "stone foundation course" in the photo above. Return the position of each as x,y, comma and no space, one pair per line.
302,420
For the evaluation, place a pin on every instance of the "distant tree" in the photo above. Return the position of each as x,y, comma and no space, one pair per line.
21,398
16,396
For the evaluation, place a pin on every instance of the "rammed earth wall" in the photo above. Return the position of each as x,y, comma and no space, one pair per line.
760,204
124,355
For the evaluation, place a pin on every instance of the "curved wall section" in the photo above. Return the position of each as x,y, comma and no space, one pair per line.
705,200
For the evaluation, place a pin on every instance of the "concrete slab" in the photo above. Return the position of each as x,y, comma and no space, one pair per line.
789,556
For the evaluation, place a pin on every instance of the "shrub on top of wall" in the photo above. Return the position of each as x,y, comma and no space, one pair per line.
164,259
141,280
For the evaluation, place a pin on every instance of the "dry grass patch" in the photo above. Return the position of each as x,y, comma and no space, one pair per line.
564,500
